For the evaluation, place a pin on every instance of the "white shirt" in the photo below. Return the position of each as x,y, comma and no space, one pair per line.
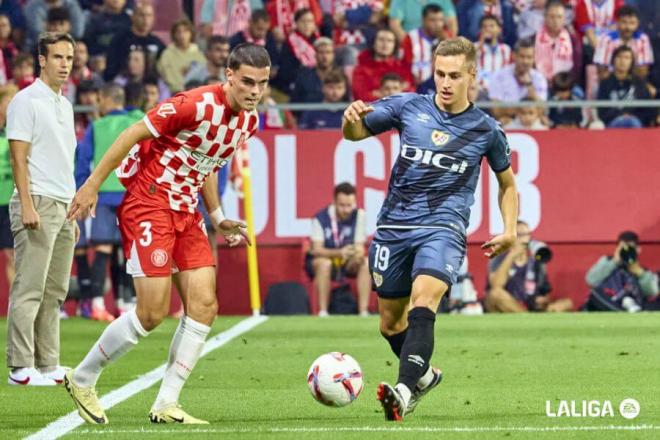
44,118
503,85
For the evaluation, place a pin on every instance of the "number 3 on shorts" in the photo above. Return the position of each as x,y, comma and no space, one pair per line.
382,260
146,234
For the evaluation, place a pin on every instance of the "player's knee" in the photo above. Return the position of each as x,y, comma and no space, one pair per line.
392,326
322,265
151,318
203,309
498,295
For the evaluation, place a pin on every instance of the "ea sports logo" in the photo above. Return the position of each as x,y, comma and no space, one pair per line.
629,408
159,258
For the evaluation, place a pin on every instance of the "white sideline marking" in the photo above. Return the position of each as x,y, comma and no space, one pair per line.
71,421
419,429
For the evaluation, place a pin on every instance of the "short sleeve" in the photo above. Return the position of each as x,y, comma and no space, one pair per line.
20,119
360,227
387,113
171,116
499,152
317,231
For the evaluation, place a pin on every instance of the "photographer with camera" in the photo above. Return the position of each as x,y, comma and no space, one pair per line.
619,282
517,280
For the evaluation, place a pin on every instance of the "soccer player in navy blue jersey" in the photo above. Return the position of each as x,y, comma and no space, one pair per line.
420,240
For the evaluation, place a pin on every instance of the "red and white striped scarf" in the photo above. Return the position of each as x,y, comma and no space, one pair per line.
250,39
553,55
230,20
285,12
303,49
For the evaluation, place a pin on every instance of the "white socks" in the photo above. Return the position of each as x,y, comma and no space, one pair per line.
426,379
186,347
117,339
404,392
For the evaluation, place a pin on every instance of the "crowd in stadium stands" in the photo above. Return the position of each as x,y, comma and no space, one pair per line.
337,50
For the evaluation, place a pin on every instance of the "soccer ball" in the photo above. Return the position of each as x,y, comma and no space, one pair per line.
335,379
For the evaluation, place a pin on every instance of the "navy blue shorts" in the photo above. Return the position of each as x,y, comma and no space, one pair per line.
397,256
6,237
105,229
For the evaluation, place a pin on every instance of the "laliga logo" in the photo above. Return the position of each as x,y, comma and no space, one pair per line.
629,408
438,160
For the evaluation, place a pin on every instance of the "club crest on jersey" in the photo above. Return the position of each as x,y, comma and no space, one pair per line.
159,258
439,138
378,279
166,109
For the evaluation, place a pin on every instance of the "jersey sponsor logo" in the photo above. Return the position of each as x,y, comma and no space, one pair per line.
206,164
166,109
159,258
438,160
423,117
439,138
378,279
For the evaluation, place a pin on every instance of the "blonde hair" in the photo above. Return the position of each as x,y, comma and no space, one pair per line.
457,46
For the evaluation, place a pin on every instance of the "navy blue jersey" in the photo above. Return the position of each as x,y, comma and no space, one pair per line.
435,176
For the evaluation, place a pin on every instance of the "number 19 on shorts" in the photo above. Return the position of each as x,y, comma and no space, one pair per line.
382,258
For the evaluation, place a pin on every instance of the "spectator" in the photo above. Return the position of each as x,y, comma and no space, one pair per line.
406,15
138,69
258,32
139,35
623,85
104,24
471,11
37,11
58,20
530,20
298,51
97,64
337,248
556,50
390,84
152,93
519,80
355,23
309,80
619,282
216,56
374,63
594,18
492,54
14,11
179,55
8,50
135,98
517,279
226,17
334,91
527,118
627,34
282,15
562,90
79,71
418,44
22,72
6,185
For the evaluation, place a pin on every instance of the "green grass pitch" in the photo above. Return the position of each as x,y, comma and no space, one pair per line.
499,371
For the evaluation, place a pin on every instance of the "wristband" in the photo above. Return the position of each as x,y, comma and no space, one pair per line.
217,215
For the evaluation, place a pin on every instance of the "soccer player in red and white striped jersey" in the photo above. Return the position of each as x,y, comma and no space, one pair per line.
175,152
553,47
627,34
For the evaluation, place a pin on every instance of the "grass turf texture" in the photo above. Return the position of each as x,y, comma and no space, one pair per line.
499,372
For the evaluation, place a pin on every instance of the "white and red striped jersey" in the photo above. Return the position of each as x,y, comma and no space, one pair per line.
553,54
599,14
490,58
195,133
418,54
639,43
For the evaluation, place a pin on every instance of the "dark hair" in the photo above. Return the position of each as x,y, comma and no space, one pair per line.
627,11
216,39
249,54
619,50
390,76
134,93
259,15
344,188
562,81
86,86
431,8
524,43
300,12
48,38
335,76
628,236
57,14
21,58
489,17
183,22
114,92
373,43
150,80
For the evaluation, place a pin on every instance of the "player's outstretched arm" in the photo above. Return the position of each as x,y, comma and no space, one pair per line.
352,124
508,199
85,200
